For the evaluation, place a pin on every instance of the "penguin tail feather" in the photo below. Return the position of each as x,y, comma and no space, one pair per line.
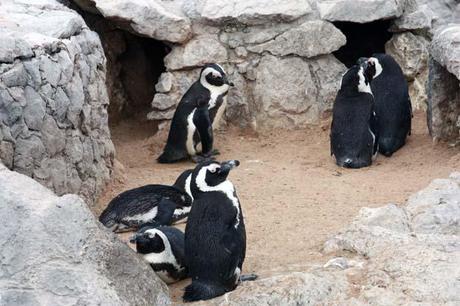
197,291
248,277
169,157
108,218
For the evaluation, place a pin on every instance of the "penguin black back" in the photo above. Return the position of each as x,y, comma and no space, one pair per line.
147,204
353,137
392,104
193,119
215,236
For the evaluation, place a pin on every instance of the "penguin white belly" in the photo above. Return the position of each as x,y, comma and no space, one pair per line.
191,128
219,114
144,217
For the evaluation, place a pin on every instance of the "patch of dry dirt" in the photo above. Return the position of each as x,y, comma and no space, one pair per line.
292,194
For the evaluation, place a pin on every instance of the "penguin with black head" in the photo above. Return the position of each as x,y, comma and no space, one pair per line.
354,139
392,103
200,109
163,248
215,235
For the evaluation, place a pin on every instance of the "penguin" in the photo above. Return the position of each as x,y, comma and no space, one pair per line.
353,137
215,235
198,112
392,103
163,248
149,204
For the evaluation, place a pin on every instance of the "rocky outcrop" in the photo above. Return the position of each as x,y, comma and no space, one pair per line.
391,255
411,53
54,252
53,98
444,85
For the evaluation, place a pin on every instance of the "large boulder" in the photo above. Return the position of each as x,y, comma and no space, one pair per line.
53,98
444,84
54,252
359,10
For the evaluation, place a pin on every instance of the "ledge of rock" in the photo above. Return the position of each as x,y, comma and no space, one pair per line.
359,10
53,98
394,255
54,252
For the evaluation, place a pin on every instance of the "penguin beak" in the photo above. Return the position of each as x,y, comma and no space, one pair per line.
226,166
133,238
226,81
362,60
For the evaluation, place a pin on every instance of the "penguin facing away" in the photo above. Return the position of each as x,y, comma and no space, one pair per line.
200,109
392,103
215,236
163,248
354,139
149,204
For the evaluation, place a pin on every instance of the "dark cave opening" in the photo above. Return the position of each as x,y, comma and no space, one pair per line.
363,39
134,65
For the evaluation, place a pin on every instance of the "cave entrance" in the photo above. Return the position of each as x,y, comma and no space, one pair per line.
134,65
363,39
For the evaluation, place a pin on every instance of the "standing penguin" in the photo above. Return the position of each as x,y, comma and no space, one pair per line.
199,110
163,248
392,103
353,132
215,236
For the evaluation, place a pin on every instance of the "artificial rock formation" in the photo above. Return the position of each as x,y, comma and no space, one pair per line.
296,37
54,252
391,255
53,98
444,84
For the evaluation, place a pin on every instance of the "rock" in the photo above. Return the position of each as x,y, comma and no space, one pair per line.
163,102
310,39
411,53
420,19
73,260
162,20
253,12
295,288
164,83
361,11
444,48
197,52
443,112
54,92
412,252
156,115
443,11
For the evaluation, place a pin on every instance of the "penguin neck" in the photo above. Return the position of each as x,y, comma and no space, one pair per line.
214,91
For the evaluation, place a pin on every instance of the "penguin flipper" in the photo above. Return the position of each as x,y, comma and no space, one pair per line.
199,290
203,125
165,212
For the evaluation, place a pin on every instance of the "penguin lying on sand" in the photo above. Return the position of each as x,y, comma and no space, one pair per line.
354,137
392,103
215,236
163,249
150,204
199,110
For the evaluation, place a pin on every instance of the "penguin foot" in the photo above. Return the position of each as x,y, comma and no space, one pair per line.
248,277
215,152
202,158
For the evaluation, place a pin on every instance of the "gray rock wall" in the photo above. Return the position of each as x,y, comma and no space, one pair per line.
54,252
53,98
444,85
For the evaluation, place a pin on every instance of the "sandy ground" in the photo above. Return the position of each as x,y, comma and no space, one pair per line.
293,195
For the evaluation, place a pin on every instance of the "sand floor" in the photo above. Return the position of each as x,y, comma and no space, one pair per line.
292,194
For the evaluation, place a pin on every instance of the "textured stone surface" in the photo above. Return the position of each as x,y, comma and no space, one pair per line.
253,11
162,20
420,19
197,52
411,53
52,89
359,10
443,112
299,40
445,48
54,252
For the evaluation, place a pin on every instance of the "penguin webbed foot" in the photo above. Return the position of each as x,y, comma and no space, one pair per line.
215,152
248,277
202,158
